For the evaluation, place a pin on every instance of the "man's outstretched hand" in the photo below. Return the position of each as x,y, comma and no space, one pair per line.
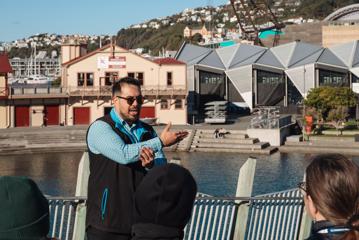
169,138
146,157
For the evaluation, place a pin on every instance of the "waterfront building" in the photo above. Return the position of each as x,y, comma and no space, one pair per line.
341,26
85,91
258,76
5,69
88,80
190,32
40,64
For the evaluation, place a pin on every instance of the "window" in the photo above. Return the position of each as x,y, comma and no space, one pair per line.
164,104
89,79
178,104
334,79
140,77
80,79
169,78
270,88
137,75
110,77
85,79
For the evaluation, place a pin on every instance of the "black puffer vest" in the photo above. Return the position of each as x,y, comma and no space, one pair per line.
111,187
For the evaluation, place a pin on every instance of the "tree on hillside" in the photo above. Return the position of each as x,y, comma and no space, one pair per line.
196,38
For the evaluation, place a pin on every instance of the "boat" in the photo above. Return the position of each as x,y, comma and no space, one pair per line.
32,72
35,79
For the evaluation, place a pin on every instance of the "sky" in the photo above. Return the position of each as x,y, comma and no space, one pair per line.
23,18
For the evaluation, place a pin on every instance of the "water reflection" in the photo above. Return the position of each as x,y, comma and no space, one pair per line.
215,173
55,173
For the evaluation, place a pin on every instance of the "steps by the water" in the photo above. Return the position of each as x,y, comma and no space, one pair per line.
234,141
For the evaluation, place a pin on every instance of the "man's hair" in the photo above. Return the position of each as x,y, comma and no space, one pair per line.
116,88
332,182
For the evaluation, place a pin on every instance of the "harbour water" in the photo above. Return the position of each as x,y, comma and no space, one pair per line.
215,173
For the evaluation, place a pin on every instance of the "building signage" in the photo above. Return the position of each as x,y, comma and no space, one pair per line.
111,62
117,62
102,62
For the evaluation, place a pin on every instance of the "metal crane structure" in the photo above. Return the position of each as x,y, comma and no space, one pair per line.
255,16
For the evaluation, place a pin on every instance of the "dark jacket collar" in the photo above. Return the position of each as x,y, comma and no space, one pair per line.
325,230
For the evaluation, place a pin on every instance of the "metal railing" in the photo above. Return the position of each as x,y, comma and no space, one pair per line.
147,90
37,90
95,90
212,218
275,216
62,216
271,216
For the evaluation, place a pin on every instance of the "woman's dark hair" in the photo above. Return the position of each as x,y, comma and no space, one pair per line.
332,182
116,87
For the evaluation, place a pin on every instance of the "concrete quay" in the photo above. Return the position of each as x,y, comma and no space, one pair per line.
323,144
72,139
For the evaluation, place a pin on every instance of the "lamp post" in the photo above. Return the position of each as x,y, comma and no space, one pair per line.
304,96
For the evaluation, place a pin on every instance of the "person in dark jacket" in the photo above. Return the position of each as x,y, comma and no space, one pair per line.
163,203
331,197
121,149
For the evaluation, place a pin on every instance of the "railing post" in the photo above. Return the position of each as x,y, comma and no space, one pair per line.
81,190
244,189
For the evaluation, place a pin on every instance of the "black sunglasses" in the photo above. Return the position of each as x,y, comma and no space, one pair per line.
131,100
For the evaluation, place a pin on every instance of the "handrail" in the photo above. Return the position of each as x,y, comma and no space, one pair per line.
212,217
26,90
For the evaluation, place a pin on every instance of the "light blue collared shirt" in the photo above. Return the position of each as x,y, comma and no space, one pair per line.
101,139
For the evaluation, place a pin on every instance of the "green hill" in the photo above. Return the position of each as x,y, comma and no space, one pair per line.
319,9
169,38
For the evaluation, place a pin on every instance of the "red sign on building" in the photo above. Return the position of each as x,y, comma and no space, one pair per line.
117,62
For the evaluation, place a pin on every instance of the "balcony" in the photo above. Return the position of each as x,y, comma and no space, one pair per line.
159,91
24,92
154,91
149,91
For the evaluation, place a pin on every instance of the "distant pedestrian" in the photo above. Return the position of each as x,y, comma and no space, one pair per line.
222,132
163,203
331,197
24,211
215,133
45,120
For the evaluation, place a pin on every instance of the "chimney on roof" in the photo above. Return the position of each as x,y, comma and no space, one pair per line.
73,47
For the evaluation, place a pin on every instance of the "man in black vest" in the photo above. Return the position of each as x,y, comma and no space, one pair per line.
121,150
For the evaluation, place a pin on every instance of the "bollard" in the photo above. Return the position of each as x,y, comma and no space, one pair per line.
244,189
83,174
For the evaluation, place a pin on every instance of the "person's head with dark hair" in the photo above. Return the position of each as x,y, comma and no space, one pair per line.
331,196
127,99
24,211
163,203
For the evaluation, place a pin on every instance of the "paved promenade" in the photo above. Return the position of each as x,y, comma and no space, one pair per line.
72,139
